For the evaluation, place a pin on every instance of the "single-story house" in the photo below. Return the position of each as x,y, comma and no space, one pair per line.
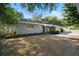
24,27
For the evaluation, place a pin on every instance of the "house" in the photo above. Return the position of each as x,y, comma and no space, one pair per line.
24,27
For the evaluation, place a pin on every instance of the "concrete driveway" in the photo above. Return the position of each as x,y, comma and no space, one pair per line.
70,34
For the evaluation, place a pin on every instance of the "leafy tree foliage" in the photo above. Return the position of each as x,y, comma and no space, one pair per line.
71,15
8,15
44,20
44,6
47,20
37,17
53,20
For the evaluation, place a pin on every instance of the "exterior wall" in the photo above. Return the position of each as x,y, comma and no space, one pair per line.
12,29
26,29
30,28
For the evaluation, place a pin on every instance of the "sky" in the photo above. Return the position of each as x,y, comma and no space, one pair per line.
58,12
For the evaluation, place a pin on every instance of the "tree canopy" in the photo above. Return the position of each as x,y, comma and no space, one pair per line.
71,15
8,15
48,20
44,6
54,20
37,17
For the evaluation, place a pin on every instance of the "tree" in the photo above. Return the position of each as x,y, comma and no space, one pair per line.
8,15
37,17
44,20
44,6
53,20
71,15
64,22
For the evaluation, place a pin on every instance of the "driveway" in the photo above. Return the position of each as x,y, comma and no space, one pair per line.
70,34
39,45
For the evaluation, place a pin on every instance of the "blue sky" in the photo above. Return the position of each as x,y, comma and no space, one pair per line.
58,12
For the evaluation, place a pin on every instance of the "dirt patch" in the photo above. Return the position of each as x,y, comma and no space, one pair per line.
76,37
45,45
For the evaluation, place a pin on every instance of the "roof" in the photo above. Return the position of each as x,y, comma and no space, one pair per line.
24,22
